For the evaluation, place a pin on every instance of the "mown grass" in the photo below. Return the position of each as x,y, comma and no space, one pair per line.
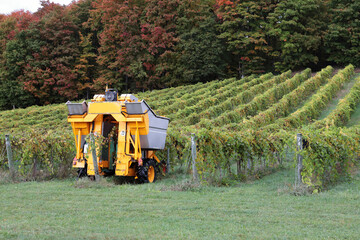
263,209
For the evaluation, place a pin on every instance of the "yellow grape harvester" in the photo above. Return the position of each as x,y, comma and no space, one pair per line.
126,133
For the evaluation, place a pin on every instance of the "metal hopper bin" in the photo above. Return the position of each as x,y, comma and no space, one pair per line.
155,139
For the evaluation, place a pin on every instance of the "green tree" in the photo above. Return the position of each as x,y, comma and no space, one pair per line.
297,29
243,27
342,39
85,66
199,54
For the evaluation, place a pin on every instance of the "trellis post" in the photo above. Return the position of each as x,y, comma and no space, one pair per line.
168,161
249,163
238,165
193,156
93,150
9,154
299,165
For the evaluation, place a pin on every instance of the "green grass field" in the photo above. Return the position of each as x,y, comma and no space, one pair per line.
263,209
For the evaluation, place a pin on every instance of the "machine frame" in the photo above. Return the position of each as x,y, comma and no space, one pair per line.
123,154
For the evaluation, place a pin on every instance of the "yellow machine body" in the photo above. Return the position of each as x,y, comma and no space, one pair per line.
99,117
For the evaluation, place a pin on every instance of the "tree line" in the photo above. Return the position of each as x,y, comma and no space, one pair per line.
69,52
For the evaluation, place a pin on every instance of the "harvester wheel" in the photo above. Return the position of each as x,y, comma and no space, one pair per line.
147,173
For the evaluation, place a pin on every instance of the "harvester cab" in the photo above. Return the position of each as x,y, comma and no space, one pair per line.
121,133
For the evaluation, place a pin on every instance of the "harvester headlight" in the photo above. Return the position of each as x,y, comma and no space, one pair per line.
111,95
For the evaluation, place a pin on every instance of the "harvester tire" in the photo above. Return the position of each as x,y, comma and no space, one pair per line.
147,173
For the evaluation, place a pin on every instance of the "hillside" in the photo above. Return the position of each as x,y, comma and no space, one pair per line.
253,121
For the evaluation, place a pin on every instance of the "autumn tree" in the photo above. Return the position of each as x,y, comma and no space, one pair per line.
136,38
120,40
86,65
41,58
159,36
12,93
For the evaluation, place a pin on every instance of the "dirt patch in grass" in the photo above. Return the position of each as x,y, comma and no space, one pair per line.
301,190
187,185
88,183
5,177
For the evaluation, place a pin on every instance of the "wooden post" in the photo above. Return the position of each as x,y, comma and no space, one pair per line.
193,156
277,155
168,161
299,146
264,162
93,150
9,155
248,165
238,165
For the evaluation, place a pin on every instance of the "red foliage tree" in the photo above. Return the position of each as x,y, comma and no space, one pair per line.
49,74
136,36
12,24
120,40
158,31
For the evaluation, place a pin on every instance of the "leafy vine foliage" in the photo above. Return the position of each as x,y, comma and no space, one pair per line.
42,155
260,133
265,135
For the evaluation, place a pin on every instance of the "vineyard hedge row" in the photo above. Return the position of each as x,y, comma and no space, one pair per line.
250,123
41,155
219,148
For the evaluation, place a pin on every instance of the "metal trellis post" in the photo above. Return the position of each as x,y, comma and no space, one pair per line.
9,154
193,156
93,150
300,147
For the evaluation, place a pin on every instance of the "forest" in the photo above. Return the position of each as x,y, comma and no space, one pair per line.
69,52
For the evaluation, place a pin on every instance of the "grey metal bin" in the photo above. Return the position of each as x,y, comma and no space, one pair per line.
158,125
77,108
